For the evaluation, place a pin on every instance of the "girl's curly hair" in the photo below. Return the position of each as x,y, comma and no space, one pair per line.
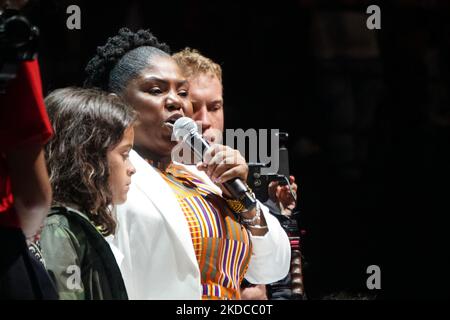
87,123
122,58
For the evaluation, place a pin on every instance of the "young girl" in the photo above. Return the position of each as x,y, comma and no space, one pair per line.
89,171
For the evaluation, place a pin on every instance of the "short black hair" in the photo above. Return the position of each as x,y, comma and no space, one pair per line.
122,58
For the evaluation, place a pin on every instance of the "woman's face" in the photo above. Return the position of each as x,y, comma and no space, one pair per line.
160,96
120,167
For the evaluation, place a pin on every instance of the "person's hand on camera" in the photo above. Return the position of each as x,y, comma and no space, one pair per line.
282,194
222,163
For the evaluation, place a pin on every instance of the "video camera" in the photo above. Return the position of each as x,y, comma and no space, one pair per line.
18,42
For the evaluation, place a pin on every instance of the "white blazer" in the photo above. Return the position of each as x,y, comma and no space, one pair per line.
154,249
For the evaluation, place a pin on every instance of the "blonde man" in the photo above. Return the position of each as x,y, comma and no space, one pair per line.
206,94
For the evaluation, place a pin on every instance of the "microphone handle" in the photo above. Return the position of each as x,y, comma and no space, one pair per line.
235,187
240,192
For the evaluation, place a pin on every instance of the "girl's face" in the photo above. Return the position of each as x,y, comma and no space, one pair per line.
120,167
160,96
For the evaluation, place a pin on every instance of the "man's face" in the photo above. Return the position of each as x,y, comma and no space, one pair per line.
205,93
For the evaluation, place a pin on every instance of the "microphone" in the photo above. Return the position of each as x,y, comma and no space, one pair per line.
185,129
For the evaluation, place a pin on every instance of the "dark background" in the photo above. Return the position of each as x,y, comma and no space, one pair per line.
367,112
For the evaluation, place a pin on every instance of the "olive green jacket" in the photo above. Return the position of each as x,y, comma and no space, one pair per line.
79,259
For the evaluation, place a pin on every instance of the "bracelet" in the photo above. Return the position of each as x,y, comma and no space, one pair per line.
257,226
236,205
255,218
250,223
239,205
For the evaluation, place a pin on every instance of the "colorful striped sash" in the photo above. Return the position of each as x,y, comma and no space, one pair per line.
222,246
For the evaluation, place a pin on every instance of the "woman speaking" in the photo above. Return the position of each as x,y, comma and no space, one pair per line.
180,234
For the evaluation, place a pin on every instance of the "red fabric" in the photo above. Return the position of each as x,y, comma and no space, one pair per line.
23,120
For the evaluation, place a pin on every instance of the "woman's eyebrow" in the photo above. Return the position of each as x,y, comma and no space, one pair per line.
154,79
165,81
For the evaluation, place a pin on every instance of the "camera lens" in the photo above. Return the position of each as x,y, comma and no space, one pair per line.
18,31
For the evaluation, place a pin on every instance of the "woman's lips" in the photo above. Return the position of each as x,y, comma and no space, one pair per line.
169,125
171,120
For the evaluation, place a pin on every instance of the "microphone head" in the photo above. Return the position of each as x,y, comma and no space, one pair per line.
183,126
